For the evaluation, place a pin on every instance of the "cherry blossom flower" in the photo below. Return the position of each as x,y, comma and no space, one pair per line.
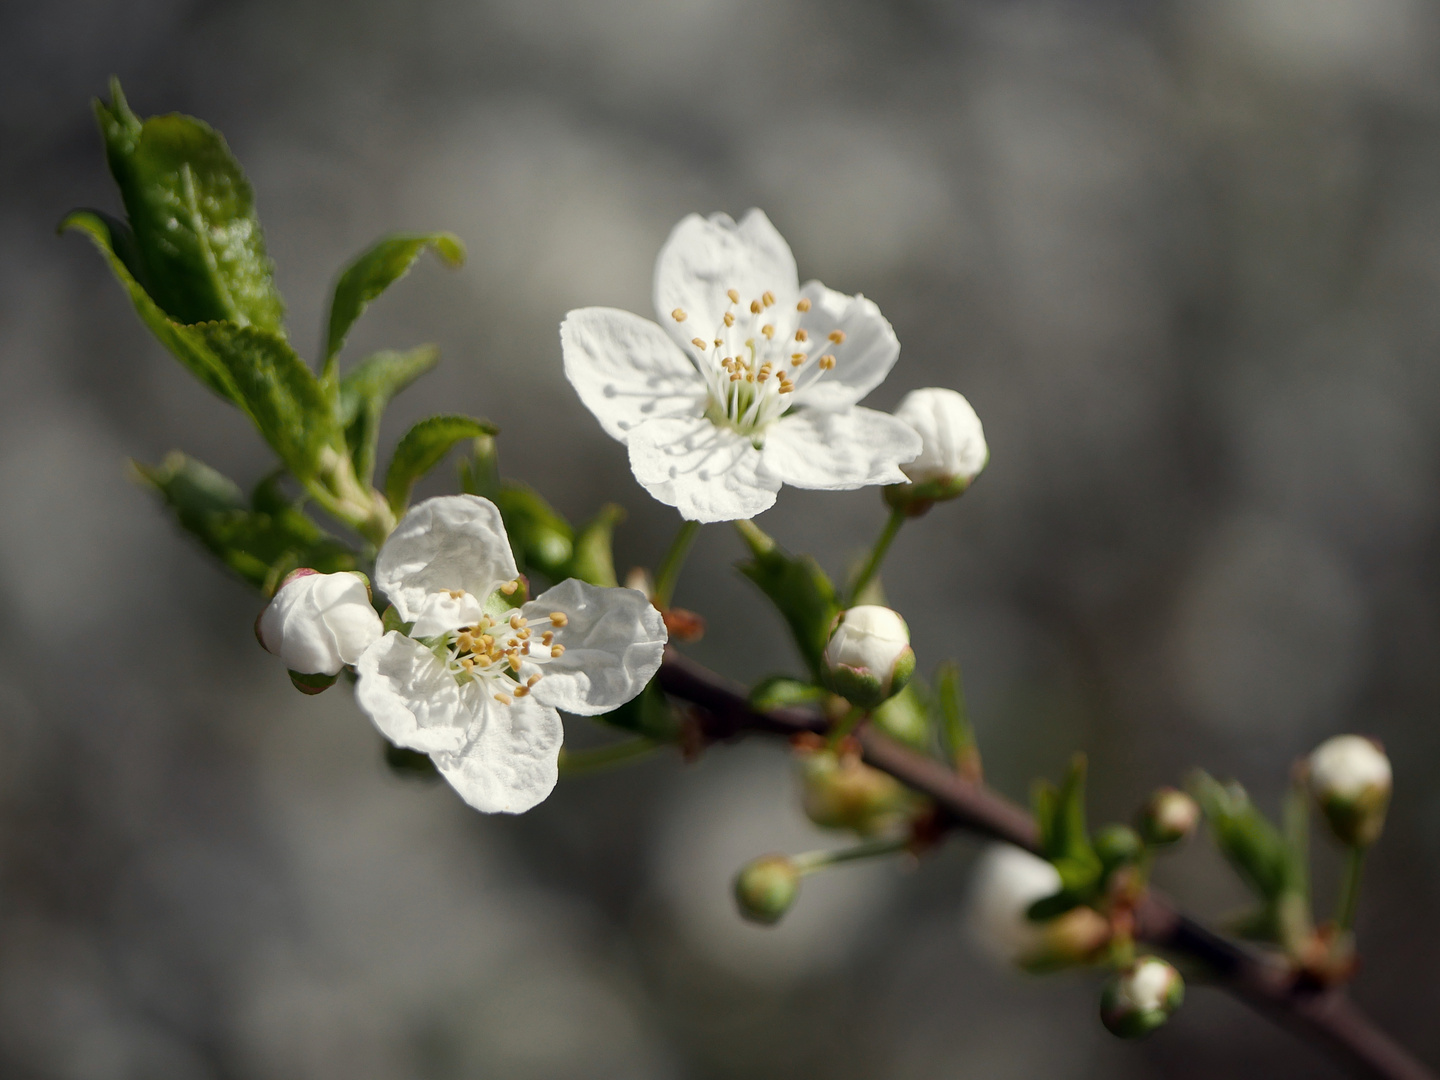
318,623
476,683
749,382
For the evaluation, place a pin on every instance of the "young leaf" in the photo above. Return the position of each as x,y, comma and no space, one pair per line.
593,560
280,394
365,392
1064,839
374,272
117,243
260,542
421,449
781,692
200,252
798,588
1250,842
540,537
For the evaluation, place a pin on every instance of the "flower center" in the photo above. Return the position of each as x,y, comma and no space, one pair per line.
755,359
501,653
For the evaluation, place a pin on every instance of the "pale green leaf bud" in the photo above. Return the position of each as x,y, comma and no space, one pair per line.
1350,778
765,889
1139,999
868,657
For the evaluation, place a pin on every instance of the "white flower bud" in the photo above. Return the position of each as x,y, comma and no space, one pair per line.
1008,880
868,657
1138,1000
318,623
1350,778
952,441
1169,816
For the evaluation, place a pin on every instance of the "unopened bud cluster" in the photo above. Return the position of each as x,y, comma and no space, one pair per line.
1139,999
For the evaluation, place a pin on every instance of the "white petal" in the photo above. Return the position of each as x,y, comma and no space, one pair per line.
626,370
706,472
837,451
455,542
614,640
318,623
705,257
862,360
410,697
509,762
951,436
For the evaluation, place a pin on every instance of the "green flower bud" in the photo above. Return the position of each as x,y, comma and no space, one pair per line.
1117,845
839,791
868,657
1139,999
1350,778
765,889
1169,816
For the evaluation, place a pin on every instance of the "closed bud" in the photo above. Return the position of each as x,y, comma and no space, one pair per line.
765,889
1008,881
839,791
1350,778
1169,816
1139,999
318,623
868,657
952,449
1117,845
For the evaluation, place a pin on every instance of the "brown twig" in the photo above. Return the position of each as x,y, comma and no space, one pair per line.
1327,1018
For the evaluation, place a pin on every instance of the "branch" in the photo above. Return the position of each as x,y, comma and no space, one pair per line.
1327,1018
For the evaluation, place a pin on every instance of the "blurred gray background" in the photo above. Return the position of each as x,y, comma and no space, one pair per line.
1183,257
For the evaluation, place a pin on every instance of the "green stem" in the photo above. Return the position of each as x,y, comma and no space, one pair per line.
877,554
845,726
575,762
669,572
811,861
1350,889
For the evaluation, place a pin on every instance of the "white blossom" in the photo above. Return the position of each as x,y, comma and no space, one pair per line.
476,684
1007,880
318,623
749,382
952,440
1348,767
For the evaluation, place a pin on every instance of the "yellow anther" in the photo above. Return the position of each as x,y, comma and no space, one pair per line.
559,619
787,387
768,330
797,358
514,659
456,594
678,314
486,641
827,362
521,691
547,637
735,376
804,304
801,335
837,336
733,295
532,680
509,587
718,343
518,621
754,307
767,298
504,699
729,319
468,663
524,635
557,651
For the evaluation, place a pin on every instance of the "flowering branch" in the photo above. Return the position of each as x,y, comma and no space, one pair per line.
1327,1018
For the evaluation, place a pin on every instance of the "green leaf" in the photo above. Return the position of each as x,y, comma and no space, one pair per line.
905,719
421,449
1064,839
539,536
277,390
117,243
798,588
261,542
593,560
365,392
374,272
782,692
480,469
1245,837
199,250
